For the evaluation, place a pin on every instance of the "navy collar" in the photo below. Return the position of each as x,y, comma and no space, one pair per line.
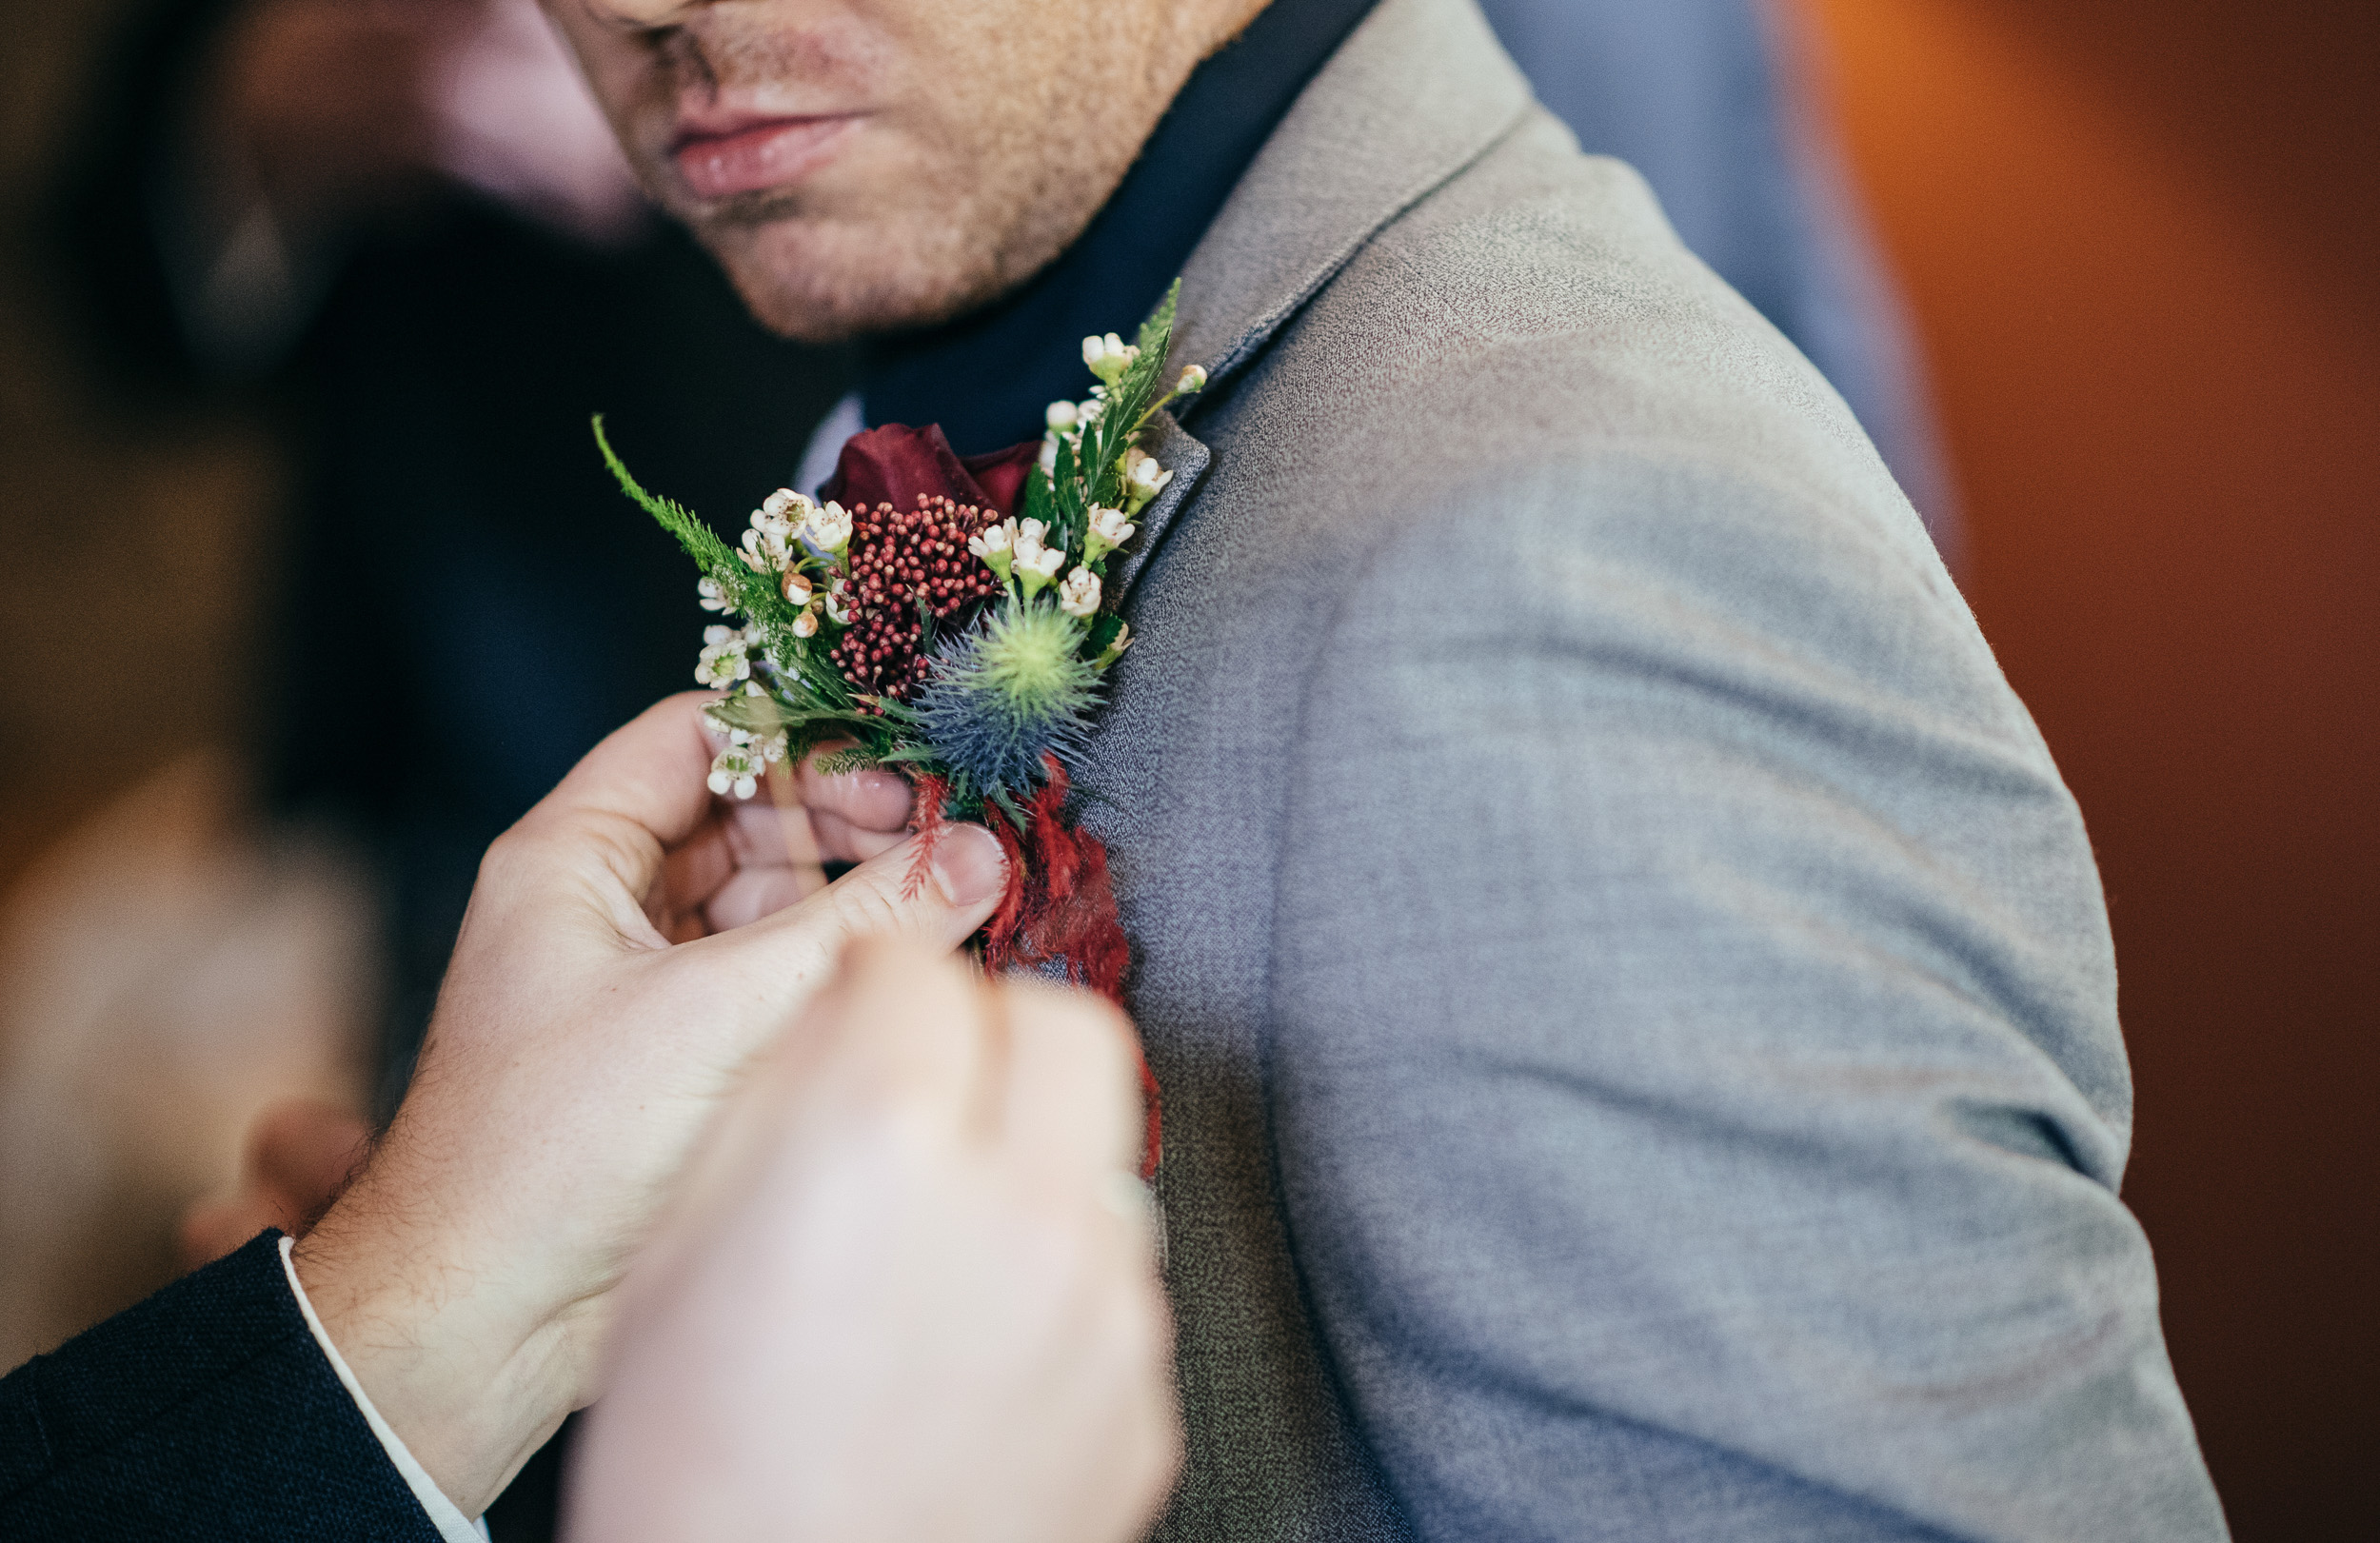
986,377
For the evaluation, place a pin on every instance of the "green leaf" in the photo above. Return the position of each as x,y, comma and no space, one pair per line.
999,799
1040,503
751,593
1073,514
842,762
754,715
1158,332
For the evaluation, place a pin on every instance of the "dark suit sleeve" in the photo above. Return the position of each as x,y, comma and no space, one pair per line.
206,1412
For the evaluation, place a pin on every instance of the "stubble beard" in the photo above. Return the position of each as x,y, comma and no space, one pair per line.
998,182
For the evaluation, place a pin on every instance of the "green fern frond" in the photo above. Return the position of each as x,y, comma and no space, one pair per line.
844,762
1158,332
751,593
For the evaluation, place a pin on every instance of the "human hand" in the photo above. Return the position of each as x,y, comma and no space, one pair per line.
907,1292
575,1054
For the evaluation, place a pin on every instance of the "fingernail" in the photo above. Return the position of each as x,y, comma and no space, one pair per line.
871,780
969,865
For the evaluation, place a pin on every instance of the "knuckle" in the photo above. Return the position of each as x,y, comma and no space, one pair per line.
872,908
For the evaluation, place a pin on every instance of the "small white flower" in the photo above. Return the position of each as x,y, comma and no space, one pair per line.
805,626
1062,417
714,596
828,527
1079,594
995,544
1039,569
763,549
788,506
1108,530
1192,379
736,770
1109,357
1143,478
724,662
1028,540
839,605
797,588
1049,456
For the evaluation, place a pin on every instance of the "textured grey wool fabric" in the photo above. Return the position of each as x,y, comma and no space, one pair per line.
1631,994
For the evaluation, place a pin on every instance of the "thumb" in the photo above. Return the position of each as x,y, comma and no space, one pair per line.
773,968
940,901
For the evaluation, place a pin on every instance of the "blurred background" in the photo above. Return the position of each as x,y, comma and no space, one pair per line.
309,585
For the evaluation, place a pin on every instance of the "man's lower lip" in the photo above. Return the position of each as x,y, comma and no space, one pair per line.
770,155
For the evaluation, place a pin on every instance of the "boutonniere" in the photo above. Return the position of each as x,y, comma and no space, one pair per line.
948,617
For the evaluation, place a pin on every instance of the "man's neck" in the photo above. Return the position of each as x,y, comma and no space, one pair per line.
987,377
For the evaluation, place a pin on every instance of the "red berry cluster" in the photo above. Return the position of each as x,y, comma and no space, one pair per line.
896,559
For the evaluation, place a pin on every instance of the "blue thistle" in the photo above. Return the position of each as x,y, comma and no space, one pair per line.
1006,692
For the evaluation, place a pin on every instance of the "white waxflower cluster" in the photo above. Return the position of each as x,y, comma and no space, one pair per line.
996,546
788,532
737,770
1109,357
1068,421
1078,594
1036,565
1108,530
1143,479
1018,551
725,660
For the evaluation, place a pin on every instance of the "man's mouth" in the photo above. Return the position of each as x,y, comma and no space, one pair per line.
746,155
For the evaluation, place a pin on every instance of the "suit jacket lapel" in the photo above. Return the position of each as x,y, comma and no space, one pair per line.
1419,90
1187,459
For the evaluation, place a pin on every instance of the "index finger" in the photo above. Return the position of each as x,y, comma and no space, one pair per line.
872,799
1071,1094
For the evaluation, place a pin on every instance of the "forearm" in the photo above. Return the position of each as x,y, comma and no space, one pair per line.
464,1364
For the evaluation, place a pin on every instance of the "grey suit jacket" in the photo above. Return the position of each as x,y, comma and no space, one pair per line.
1633,996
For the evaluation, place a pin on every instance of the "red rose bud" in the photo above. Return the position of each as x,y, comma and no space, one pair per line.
899,466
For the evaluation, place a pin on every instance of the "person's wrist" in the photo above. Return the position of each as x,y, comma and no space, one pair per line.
472,1368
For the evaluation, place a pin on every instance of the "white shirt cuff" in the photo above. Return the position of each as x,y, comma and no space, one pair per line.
451,1526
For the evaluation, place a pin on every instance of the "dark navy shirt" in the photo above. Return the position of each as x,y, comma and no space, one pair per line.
988,377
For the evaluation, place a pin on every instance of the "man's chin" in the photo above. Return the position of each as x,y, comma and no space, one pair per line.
820,281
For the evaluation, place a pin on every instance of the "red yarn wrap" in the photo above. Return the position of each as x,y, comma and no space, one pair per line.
1060,909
